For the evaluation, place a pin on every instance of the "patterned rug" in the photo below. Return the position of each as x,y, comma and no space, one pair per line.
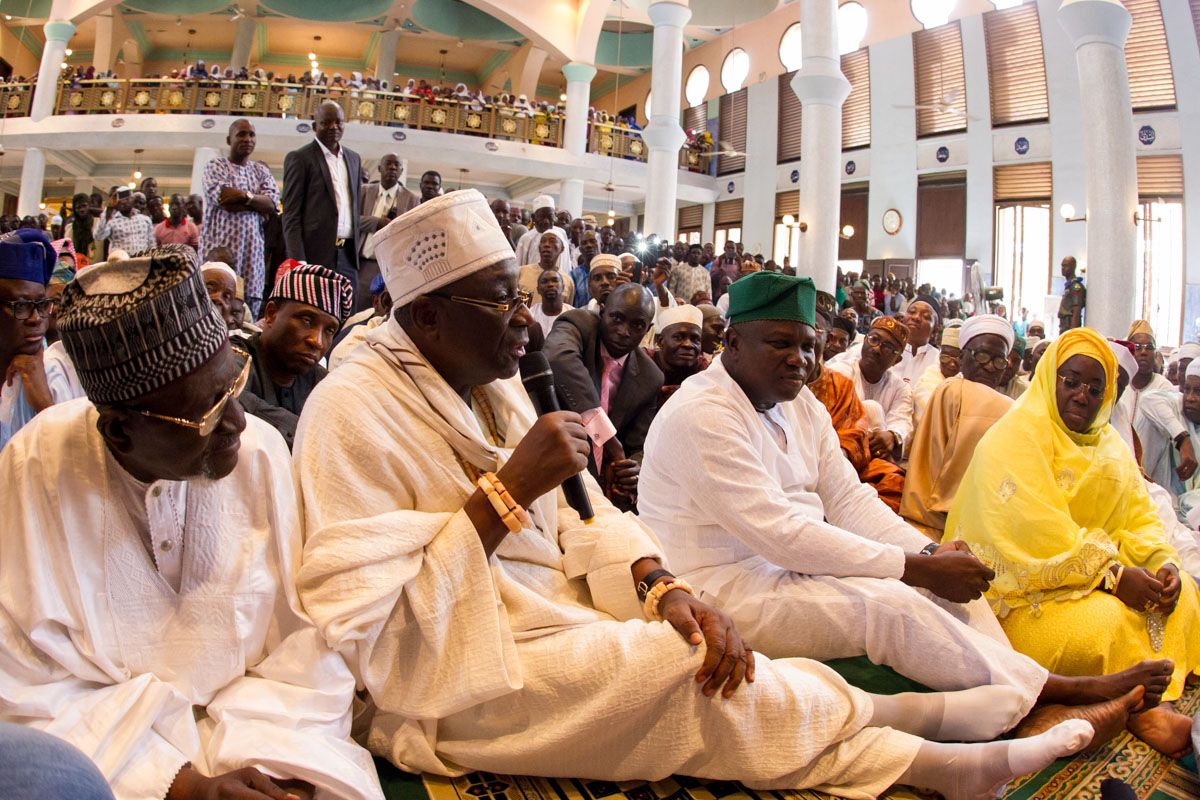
1153,776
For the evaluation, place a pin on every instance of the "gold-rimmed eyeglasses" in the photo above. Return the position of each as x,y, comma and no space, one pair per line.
523,298
208,423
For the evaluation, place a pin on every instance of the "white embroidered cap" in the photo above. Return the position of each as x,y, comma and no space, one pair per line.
1125,359
676,315
219,265
1188,350
1193,369
986,323
543,201
439,242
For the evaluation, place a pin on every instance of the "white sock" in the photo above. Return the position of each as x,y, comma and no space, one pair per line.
971,715
980,771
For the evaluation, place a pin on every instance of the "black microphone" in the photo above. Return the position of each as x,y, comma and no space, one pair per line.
539,382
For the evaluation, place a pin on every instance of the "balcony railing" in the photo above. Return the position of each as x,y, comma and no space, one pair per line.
299,101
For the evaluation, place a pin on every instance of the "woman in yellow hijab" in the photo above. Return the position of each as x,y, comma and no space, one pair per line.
1053,501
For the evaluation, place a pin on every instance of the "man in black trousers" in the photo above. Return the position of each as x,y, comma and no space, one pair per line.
321,187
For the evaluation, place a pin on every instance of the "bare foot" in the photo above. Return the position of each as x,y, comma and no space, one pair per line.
1164,729
1108,718
1154,676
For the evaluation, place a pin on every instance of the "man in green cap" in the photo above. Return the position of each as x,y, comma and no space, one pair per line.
767,516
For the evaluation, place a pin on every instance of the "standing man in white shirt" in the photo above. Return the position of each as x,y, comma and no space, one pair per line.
381,203
321,188
543,220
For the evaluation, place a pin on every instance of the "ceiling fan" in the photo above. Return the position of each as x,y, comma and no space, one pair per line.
727,150
946,106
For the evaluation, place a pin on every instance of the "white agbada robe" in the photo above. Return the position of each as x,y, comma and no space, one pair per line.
535,660
1152,420
911,367
893,396
97,648
767,516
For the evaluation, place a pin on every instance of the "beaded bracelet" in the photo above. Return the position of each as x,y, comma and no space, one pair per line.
650,608
1111,581
509,511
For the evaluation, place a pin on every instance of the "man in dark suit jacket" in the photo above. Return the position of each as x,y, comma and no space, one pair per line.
382,202
602,374
320,217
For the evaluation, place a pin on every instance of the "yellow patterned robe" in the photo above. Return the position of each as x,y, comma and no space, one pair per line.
1052,511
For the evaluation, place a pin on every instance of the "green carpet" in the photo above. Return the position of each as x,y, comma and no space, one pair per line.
1153,776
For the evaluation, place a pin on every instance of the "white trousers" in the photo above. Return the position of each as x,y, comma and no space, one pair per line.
945,646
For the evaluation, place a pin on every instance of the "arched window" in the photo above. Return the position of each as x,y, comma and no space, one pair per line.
697,85
932,13
852,27
790,54
734,69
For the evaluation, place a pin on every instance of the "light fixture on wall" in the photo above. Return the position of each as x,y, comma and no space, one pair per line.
846,232
790,222
312,57
1068,213
137,164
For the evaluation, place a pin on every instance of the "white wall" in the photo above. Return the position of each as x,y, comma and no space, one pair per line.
893,151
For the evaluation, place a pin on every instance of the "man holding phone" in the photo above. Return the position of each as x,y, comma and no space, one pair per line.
124,229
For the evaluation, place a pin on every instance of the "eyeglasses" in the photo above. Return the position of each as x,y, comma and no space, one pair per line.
208,423
946,358
523,298
23,309
983,359
875,340
1143,348
1072,384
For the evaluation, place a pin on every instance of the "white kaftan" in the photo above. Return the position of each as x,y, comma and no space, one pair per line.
802,555
891,393
1156,414
98,649
520,662
911,367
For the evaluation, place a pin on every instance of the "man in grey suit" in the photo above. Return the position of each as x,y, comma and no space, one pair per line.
321,187
382,202
601,374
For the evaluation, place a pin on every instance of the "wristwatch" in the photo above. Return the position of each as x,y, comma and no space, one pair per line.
644,585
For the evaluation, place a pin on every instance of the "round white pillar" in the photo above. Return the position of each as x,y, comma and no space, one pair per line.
58,33
822,89
202,156
1098,29
662,135
579,86
33,174
243,41
385,59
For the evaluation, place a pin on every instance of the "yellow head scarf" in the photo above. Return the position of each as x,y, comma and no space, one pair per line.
1050,510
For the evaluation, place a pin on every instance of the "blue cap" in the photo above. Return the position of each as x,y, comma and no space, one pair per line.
377,285
27,255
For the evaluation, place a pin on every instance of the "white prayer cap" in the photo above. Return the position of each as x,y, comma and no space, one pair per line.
1032,342
626,255
606,260
1188,350
438,242
1125,359
950,336
543,201
1193,369
986,323
56,220
677,314
219,265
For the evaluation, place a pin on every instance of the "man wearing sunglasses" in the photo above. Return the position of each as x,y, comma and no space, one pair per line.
26,264
302,316
147,592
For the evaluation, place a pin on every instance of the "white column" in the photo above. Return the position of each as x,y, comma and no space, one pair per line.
1098,29
822,88
202,156
759,183
385,58
83,185
58,32
708,222
103,51
33,174
243,41
579,86
663,135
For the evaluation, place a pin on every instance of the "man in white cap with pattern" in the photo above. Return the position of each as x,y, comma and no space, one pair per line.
543,220
148,608
493,629
678,333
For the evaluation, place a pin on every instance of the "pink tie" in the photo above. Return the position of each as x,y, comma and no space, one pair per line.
608,384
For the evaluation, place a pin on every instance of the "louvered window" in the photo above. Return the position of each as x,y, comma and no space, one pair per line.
854,214
1196,18
942,216
938,63
732,132
691,218
1016,68
1022,182
856,111
728,212
787,203
789,120
696,118
1160,176
1147,59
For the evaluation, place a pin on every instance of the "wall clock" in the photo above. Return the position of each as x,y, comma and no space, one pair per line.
892,222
